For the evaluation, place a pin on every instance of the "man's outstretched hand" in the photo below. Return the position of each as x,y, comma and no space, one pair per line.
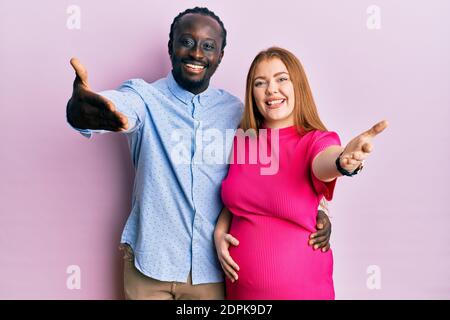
89,110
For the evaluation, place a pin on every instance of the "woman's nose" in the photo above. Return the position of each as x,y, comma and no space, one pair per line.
271,88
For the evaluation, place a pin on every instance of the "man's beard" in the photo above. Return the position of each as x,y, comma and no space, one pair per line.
189,84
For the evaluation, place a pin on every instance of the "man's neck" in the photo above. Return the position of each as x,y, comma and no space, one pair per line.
192,89
196,90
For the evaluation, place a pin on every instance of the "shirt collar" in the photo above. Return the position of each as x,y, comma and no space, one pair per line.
185,96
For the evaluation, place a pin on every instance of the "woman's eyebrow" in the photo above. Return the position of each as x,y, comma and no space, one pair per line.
275,75
260,77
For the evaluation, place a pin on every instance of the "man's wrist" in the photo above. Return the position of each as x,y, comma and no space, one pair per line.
323,207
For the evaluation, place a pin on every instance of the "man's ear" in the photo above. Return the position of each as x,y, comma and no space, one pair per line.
221,56
170,49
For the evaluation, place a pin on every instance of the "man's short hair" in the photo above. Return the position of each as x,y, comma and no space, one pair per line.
196,10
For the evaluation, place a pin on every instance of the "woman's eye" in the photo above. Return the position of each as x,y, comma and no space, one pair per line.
259,83
283,79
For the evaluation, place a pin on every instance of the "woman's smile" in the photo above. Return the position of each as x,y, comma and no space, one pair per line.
272,104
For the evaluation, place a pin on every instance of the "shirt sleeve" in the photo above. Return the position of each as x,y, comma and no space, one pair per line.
128,101
321,141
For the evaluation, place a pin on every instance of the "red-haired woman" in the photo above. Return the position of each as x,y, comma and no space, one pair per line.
268,217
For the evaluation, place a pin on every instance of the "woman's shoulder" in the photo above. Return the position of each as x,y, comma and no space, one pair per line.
316,135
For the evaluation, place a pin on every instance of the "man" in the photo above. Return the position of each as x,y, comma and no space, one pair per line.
168,238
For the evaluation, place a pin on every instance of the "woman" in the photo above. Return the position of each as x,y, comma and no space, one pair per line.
267,217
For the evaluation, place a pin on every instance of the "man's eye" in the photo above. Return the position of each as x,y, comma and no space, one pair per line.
187,42
208,46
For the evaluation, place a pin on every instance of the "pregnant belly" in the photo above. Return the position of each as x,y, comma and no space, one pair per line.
275,259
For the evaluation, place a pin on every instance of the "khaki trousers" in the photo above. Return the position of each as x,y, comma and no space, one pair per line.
138,286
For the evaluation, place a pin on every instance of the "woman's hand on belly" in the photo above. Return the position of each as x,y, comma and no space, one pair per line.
223,242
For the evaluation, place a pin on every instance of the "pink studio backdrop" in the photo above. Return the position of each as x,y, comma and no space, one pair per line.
65,199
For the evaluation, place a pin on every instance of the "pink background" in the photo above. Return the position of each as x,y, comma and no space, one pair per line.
64,199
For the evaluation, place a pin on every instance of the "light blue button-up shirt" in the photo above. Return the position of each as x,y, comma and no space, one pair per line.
180,144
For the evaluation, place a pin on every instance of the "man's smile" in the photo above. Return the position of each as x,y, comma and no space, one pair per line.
194,67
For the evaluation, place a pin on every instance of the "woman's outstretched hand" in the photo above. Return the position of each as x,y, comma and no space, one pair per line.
357,150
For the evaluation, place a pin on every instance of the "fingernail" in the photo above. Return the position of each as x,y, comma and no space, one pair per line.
315,247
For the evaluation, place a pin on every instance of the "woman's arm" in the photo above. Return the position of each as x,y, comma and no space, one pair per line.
222,241
324,166
223,222
351,157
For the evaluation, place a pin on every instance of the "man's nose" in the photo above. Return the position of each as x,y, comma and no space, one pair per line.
197,52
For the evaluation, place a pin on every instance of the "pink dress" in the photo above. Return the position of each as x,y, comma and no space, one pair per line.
273,217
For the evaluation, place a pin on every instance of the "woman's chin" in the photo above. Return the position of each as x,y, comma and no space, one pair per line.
278,121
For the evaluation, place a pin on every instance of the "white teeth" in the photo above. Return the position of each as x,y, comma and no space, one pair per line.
274,102
193,66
